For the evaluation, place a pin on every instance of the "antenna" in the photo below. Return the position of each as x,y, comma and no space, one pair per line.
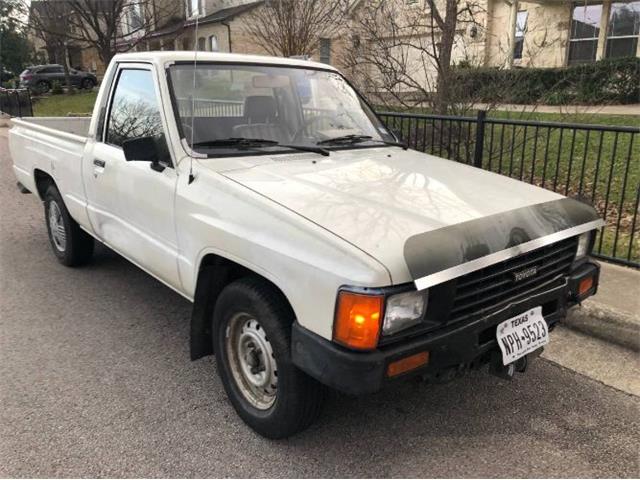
193,98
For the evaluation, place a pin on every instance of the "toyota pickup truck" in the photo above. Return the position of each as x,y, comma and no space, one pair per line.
318,251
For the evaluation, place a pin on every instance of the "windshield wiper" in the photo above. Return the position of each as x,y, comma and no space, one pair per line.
345,139
353,139
242,143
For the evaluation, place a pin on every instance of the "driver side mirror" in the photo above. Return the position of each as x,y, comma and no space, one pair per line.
145,149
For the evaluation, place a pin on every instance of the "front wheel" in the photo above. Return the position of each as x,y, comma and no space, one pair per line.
71,245
252,344
87,84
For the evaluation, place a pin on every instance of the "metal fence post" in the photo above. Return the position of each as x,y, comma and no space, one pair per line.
19,103
479,150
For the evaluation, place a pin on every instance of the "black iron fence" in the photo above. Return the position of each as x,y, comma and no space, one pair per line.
16,102
599,164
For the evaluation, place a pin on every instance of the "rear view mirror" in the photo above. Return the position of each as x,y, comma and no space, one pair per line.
143,149
271,81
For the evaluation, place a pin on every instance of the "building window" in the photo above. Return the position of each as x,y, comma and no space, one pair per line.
202,44
325,50
585,29
623,30
521,28
133,19
194,8
213,43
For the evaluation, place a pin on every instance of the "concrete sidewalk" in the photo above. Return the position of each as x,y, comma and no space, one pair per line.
613,314
632,109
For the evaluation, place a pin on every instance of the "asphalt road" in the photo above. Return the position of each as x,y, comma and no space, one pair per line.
95,380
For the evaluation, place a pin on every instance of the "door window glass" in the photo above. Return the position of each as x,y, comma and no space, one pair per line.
135,111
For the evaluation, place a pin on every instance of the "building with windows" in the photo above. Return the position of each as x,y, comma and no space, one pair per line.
556,33
206,25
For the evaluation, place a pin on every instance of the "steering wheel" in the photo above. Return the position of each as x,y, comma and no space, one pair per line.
297,137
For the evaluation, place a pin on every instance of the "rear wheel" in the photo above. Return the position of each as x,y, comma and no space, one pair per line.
71,245
252,344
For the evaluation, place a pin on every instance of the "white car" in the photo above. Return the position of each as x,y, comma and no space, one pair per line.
317,250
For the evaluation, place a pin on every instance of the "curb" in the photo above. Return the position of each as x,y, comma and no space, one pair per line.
605,323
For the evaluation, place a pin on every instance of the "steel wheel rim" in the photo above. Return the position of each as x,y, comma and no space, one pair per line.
56,226
252,361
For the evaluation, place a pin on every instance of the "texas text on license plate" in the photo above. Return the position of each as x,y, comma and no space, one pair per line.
521,335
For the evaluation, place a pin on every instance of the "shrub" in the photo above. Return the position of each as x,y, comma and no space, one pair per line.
604,82
56,89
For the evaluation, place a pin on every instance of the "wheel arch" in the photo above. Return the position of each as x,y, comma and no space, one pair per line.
215,272
42,180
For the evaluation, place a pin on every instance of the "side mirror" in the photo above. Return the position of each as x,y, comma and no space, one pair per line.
143,149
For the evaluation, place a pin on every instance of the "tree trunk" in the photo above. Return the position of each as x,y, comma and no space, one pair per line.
447,39
65,66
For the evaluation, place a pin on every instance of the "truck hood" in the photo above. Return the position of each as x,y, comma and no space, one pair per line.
417,214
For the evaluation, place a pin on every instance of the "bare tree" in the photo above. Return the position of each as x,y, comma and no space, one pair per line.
405,54
108,26
294,27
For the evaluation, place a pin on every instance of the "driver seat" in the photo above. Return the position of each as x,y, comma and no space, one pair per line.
261,117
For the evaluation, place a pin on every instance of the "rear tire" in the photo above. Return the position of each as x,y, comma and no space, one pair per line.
71,245
252,344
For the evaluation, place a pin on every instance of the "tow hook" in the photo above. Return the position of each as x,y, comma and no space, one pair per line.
506,372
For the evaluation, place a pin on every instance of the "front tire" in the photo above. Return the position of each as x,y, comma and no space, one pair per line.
252,340
71,245
43,86
87,84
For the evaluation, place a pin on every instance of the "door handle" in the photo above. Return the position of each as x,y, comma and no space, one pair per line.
99,163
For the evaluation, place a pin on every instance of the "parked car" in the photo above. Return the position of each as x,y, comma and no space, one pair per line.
316,248
41,78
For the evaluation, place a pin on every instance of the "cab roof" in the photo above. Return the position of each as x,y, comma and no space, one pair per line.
163,58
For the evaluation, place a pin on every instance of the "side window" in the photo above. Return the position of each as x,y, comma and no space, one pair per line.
135,111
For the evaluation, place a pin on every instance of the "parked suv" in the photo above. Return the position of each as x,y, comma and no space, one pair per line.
41,78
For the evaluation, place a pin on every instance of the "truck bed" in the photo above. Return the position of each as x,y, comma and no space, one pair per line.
74,125
51,146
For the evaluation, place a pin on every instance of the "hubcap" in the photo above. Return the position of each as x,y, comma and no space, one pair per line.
56,225
252,361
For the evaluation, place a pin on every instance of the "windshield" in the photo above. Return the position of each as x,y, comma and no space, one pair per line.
282,105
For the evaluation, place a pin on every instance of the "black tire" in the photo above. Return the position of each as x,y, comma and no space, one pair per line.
298,397
43,86
87,84
77,248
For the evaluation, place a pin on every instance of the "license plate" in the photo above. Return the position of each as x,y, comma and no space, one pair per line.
522,334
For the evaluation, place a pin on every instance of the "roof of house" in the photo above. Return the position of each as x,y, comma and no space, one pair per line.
218,16
225,14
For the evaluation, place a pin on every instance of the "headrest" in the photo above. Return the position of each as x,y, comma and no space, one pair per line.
260,109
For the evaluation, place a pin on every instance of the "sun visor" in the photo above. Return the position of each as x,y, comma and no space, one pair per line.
440,255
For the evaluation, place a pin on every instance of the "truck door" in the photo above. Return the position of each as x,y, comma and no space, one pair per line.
131,205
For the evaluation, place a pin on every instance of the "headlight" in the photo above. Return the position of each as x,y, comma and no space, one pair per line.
584,242
404,310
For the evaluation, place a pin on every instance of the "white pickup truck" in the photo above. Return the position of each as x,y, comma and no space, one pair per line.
316,249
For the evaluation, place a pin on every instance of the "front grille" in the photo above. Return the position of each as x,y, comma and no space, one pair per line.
478,292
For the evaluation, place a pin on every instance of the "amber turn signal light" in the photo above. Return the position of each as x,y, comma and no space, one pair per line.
585,285
357,323
407,363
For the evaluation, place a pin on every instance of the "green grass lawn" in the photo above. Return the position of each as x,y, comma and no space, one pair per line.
81,103
604,168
